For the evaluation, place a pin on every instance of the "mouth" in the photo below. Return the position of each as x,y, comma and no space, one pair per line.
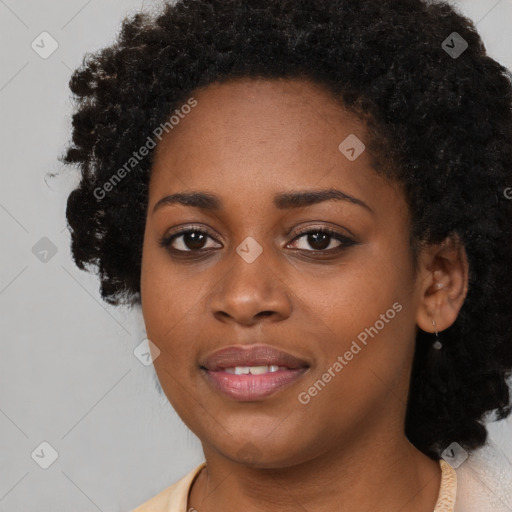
251,373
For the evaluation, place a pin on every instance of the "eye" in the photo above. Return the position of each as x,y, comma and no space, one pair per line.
320,239
192,239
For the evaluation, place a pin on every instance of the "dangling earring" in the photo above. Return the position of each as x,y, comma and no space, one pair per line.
437,344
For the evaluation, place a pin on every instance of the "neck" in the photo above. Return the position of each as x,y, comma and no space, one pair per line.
372,474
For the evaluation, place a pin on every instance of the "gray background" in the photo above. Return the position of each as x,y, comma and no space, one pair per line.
68,375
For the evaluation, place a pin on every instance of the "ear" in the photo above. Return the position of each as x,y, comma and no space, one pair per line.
442,284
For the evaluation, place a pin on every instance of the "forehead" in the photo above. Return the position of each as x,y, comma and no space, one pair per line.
262,124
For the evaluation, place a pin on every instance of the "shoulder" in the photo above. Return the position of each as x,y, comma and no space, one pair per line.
172,498
484,482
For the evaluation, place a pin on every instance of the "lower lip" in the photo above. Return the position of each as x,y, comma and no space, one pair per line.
253,387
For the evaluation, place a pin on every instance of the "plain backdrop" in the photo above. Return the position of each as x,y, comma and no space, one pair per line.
72,393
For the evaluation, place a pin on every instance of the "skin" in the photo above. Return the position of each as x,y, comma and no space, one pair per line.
346,449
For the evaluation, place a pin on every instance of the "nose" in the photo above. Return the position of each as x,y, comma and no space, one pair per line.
248,293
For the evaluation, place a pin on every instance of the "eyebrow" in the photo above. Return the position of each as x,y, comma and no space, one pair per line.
282,201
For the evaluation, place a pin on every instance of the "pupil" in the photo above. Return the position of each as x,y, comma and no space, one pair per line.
313,240
194,240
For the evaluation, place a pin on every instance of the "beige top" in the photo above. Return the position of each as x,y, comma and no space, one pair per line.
175,497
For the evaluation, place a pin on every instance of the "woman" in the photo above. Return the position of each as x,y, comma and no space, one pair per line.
310,201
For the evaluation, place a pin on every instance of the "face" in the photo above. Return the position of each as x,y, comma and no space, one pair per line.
263,268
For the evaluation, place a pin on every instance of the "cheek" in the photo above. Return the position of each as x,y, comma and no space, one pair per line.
366,314
161,297
355,295
164,309
162,304
172,304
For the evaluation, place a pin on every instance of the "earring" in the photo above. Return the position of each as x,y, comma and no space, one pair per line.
437,344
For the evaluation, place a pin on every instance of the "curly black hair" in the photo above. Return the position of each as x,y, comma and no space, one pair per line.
439,122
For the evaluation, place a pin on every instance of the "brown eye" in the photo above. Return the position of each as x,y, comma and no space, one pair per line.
321,239
190,240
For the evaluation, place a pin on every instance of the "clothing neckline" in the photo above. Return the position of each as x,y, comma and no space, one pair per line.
448,488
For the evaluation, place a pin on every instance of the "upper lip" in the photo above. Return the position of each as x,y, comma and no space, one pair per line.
251,355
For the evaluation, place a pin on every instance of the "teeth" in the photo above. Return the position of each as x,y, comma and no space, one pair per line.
254,370
258,370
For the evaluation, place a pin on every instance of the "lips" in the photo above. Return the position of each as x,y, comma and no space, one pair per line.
253,355
250,373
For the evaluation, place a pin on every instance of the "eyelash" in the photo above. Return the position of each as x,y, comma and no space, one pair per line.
345,241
